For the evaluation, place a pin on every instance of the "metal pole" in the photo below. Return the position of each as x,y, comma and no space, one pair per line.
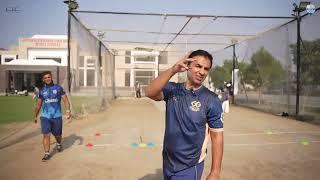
68,67
233,72
298,63
99,65
58,75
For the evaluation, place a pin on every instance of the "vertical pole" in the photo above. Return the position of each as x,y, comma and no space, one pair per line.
99,58
68,67
233,72
298,64
58,75
99,74
158,67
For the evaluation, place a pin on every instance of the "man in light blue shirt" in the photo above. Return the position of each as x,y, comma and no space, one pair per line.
49,102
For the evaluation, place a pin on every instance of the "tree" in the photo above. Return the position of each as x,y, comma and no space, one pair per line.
309,58
221,74
265,72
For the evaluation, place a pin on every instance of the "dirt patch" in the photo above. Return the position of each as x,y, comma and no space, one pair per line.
257,146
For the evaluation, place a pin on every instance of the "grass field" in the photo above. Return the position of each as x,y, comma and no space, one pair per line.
20,108
16,108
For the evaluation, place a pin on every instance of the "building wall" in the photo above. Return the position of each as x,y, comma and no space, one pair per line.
114,66
40,43
29,49
121,67
48,53
3,80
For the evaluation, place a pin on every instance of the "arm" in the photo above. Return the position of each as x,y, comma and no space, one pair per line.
154,89
66,105
37,109
217,153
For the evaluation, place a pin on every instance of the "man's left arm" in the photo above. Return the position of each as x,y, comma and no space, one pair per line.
215,123
217,153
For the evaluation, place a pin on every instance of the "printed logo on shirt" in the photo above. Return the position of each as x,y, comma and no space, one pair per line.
51,100
195,106
54,91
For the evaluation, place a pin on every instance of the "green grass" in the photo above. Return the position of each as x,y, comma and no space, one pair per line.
16,108
21,108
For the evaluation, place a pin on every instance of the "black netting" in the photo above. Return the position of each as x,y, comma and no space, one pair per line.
268,72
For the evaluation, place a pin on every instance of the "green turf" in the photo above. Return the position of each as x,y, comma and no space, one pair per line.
16,108
21,108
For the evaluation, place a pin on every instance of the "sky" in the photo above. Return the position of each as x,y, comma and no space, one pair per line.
50,16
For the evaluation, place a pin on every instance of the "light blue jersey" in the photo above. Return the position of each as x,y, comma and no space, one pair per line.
51,101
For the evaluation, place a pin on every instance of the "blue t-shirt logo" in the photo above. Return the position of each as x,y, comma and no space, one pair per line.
195,106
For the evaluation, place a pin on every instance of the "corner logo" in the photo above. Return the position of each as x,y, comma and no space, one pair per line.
54,91
195,106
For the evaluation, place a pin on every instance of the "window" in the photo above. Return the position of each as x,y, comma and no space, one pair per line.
58,59
127,79
90,77
87,71
81,62
145,59
5,58
81,77
144,77
128,57
8,59
90,62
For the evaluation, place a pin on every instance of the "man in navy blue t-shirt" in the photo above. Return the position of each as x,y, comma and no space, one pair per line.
193,114
49,101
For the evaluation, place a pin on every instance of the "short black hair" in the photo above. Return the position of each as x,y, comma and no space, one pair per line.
45,73
203,53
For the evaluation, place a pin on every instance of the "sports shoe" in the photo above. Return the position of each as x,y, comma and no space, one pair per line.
46,157
59,147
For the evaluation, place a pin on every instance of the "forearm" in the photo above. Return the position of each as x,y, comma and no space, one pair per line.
37,108
66,103
36,111
156,86
217,151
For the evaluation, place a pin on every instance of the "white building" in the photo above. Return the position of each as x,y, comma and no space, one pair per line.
20,68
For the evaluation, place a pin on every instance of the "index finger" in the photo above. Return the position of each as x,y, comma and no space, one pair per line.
188,60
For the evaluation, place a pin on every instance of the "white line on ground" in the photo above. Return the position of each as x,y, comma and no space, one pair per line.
273,133
267,144
237,144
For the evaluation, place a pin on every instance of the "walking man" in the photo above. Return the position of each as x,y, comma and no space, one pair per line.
193,114
137,89
49,102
